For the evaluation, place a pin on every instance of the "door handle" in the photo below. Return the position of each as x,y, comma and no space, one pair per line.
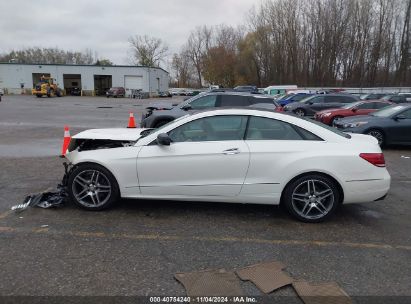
231,151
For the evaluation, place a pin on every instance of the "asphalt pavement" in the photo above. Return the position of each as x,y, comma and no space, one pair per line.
136,247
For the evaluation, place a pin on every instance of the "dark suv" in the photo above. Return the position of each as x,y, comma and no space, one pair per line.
156,118
310,105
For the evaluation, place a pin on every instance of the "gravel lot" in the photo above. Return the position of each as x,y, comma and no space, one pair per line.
136,247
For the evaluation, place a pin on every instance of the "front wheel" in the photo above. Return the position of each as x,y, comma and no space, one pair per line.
92,187
312,198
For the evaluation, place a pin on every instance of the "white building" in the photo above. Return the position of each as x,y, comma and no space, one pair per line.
91,79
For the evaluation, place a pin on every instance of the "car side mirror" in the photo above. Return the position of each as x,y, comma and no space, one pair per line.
186,107
310,103
163,139
401,116
354,109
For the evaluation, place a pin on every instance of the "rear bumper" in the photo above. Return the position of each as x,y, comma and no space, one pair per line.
363,191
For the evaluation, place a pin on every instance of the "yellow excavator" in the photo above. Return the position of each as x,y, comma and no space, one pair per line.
47,87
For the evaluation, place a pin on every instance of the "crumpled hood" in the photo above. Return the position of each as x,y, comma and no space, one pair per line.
110,134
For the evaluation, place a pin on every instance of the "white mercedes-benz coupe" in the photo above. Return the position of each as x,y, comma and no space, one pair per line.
229,155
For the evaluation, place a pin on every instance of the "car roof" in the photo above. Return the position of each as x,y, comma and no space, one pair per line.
239,93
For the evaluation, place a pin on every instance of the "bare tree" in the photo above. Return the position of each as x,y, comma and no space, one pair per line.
197,45
147,51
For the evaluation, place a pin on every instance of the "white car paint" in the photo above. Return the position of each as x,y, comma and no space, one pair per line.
202,171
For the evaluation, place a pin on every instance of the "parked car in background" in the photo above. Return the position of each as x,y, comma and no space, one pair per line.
372,96
289,98
312,104
390,125
165,94
156,118
116,92
279,90
229,155
352,109
75,91
395,98
251,89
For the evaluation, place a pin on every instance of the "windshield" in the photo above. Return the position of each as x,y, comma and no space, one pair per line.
388,111
351,105
329,128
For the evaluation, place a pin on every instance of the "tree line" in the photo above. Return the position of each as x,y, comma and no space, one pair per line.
304,42
37,55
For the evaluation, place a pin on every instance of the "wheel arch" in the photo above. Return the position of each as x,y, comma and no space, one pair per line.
336,182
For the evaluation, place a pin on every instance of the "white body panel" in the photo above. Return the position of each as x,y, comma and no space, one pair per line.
200,171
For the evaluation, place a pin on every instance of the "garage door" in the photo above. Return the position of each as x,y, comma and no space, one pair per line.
133,83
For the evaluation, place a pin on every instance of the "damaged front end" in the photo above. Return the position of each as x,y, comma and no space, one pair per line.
83,144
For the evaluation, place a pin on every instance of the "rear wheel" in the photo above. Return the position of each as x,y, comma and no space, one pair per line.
92,187
300,112
312,198
379,135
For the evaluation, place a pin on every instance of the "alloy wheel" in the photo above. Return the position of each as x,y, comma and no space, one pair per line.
299,112
91,188
312,199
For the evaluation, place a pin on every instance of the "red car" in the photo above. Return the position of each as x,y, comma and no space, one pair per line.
363,107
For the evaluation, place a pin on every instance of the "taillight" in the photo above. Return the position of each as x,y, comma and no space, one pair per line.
279,109
377,159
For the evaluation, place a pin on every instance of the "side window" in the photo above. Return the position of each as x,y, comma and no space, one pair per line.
208,101
348,99
380,105
366,105
334,99
262,128
234,101
318,99
216,128
299,97
397,99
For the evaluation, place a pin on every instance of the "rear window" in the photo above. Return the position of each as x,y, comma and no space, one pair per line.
332,129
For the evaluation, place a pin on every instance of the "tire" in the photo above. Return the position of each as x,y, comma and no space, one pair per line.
100,194
334,118
58,93
300,112
161,123
39,95
308,206
377,134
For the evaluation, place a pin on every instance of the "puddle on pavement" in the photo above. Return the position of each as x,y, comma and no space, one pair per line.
41,147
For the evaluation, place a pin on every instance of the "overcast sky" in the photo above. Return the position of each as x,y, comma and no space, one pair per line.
105,25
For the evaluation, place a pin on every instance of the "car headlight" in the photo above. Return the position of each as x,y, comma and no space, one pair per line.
355,124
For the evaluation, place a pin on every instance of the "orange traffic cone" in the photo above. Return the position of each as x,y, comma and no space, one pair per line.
66,140
131,122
